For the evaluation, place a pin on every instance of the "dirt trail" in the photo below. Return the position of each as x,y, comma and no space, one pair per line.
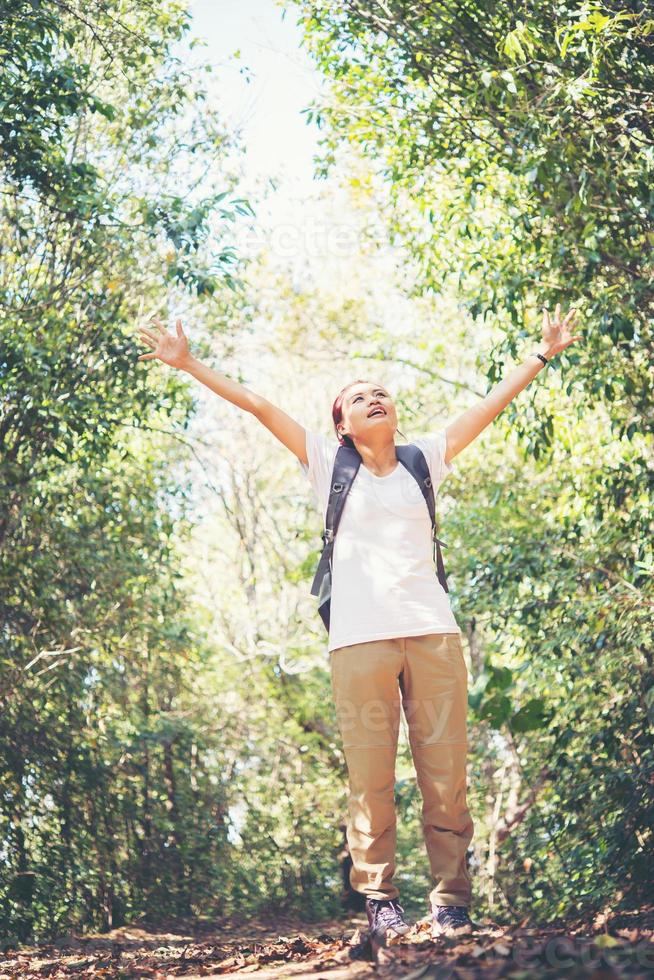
611,947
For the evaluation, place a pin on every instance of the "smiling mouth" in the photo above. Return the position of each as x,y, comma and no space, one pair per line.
376,411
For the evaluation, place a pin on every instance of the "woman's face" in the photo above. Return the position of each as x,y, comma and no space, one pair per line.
367,407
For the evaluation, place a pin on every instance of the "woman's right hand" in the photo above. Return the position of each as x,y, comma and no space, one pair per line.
169,349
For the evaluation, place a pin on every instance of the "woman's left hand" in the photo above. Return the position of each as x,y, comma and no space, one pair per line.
556,333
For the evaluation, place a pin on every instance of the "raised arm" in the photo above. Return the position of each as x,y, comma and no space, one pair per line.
174,350
556,336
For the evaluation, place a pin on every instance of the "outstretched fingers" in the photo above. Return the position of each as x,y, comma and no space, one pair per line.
150,339
557,322
159,325
162,343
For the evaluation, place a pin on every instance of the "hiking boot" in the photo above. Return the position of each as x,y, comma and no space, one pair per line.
385,918
450,920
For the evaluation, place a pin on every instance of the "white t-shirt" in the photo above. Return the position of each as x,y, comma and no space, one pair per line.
384,581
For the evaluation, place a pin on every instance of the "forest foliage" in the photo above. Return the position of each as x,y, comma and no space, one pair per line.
105,139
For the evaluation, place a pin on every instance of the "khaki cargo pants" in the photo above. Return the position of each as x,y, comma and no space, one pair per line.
428,675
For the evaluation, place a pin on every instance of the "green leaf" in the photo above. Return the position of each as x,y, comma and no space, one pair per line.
496,710
533,715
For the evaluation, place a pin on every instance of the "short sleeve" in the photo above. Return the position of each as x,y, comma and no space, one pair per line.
434,447
321,453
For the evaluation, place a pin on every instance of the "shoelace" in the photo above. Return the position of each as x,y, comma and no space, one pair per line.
452,915
388,912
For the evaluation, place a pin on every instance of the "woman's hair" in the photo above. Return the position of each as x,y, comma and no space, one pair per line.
337,412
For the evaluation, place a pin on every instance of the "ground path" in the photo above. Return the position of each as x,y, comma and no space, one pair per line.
612,946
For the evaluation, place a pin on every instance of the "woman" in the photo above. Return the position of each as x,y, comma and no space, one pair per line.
392,635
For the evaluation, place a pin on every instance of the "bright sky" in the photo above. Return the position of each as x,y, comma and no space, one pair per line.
308,228
263,91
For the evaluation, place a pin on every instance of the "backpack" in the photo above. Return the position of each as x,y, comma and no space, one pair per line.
346,466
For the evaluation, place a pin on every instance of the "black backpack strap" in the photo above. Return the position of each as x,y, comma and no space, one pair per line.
413,459
346,466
